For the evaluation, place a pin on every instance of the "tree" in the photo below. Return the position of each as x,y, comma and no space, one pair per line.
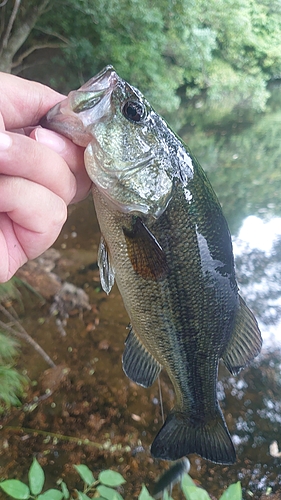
17,23
228,50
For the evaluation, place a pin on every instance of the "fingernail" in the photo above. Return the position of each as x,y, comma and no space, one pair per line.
5,141
50,139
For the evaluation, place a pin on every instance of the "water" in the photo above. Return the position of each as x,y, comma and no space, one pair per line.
95,401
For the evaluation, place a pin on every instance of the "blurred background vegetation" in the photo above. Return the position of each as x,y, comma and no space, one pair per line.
211,67
170,49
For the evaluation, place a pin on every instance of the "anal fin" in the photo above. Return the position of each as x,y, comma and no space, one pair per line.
138,364
245,343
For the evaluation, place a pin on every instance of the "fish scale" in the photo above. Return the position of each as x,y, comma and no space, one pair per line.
167,244
172,295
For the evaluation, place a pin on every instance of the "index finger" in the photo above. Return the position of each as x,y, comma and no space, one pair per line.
23,102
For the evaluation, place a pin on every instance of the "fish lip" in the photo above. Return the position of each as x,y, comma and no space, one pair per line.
105,80
53,112
63,118
68,125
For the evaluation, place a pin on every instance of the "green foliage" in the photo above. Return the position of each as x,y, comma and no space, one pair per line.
9,290
111,478
105,485
15,489
8,348
233,492
192,492
85,474
11,381
108,493
144,494
228,50
64,490
51,495
36,478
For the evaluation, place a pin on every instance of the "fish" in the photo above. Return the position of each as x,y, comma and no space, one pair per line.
166,243
170,477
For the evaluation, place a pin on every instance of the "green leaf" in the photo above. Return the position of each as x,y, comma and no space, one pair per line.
144,494
166,496
82,496
15,488
111,478
85,474
109,493
186,481
233,492
51,495
64,490
194,493
36,477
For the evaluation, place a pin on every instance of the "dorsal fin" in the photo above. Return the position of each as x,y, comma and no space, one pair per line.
245,343
146,255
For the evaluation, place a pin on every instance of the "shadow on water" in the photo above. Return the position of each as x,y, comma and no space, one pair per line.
94,401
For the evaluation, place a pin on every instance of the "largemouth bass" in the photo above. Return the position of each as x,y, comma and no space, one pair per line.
167,244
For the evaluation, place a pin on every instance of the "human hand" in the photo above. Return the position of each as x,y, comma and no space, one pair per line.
40,174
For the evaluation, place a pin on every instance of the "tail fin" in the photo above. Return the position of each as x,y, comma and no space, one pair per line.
209,439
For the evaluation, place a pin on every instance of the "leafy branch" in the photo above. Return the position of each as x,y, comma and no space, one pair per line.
18,27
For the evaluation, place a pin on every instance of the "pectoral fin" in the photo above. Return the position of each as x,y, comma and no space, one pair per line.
105,267
245,343
146,255
138,364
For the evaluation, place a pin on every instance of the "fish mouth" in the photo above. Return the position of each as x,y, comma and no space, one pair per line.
106,79
73,116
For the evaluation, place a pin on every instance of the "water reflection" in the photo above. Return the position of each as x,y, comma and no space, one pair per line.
245,173
243,159
258,233
258,261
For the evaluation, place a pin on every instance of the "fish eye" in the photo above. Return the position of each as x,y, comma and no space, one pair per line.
133,111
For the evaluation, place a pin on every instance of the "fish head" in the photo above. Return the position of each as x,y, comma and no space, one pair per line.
74,116
127,152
